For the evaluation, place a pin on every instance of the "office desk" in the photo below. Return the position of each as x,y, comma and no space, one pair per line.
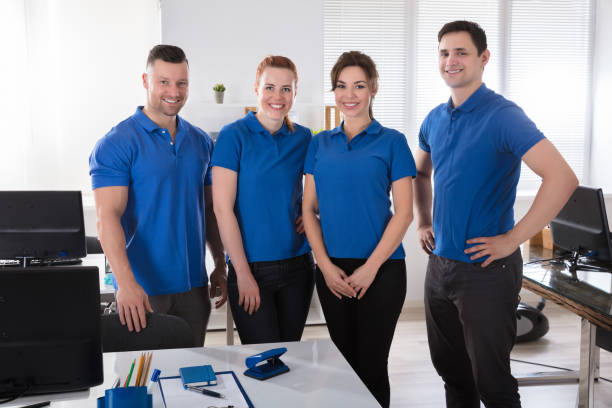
319,376
590,297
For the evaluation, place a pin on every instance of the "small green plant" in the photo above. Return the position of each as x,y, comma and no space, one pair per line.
219,88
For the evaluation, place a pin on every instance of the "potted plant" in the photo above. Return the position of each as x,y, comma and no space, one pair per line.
219,92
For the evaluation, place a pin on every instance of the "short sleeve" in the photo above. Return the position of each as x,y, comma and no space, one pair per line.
311,156
109,164
517,133
402,162
423,143
227,150
210,146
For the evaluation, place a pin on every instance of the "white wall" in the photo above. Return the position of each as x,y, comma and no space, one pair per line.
226,39
601,148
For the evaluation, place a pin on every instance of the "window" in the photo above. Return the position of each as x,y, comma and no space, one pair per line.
541,58
377,28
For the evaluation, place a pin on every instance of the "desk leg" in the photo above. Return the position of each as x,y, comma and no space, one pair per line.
587,365
229,325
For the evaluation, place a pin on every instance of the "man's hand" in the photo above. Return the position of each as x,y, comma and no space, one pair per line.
218,279
299,225
248,292
132,303
426,238
362,278
497,247
335,281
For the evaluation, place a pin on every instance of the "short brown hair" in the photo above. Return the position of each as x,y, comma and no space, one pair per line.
479,38
277,61
167,53
356,59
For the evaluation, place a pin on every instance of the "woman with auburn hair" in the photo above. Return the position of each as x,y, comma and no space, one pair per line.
356,239
257,192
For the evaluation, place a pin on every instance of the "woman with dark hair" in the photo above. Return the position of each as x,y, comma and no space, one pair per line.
257,192
356,239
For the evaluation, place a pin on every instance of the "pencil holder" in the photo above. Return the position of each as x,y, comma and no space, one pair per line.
126,397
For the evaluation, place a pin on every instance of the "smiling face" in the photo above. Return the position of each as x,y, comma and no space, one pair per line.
275,93
460,65
353,93
167,86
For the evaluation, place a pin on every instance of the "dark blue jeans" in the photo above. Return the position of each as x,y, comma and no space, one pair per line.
470,313
363,329
285,288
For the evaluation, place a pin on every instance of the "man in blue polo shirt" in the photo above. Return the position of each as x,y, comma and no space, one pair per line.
474,144
151,178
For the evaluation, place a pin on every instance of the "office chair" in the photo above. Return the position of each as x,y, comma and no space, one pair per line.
162,332
93,245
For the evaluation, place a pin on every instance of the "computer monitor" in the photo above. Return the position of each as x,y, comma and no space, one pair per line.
582,225
41,224
50,339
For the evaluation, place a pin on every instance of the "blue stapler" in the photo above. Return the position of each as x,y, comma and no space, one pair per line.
267,364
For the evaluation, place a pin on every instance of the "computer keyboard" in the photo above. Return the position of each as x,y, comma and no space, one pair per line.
43,262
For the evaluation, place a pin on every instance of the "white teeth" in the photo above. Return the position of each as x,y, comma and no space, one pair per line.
276,106
454,71
350,105
171,100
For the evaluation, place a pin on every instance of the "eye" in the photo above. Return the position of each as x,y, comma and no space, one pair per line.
286,89
163,82
341,86
462,53
182,84
360,86
268,87
444,54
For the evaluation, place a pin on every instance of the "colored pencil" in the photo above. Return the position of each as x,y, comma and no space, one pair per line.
139,371
127,380
145,377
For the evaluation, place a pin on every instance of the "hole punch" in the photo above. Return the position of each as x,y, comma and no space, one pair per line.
266,365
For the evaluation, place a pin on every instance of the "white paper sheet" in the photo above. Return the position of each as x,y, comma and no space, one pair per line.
179,397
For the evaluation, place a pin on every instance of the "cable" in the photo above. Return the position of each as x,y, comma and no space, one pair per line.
552,366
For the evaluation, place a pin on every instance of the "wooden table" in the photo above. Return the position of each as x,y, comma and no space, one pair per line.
587,294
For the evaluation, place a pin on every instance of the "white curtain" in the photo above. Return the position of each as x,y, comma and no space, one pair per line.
72,70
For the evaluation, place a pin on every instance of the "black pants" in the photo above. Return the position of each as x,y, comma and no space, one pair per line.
363,329
285,289
193,306
470,313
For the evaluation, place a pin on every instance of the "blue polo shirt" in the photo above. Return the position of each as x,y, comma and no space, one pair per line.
269,191
476,150
353,181
164,222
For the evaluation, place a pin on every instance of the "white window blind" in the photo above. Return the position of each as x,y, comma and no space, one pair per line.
540,59
430,16
379,29
549,74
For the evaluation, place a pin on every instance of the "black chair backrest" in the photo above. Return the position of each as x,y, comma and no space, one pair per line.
162,332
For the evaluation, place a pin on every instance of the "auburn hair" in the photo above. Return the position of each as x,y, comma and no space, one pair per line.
277,61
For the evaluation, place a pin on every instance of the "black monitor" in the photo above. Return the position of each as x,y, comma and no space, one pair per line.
41,225
50,337
582,226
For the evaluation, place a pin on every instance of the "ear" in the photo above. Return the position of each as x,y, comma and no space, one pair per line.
484,57
256,89
145,81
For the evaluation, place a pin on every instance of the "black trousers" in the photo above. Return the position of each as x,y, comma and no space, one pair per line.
470,313
363,329
285,288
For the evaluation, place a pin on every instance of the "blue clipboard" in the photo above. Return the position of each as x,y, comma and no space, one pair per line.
157,379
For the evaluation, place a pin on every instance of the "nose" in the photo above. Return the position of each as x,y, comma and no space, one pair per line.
451,59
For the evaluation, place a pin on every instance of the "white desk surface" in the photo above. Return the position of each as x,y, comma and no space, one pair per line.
319,376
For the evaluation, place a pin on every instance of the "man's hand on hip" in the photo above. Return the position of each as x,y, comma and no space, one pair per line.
132,305
496,247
